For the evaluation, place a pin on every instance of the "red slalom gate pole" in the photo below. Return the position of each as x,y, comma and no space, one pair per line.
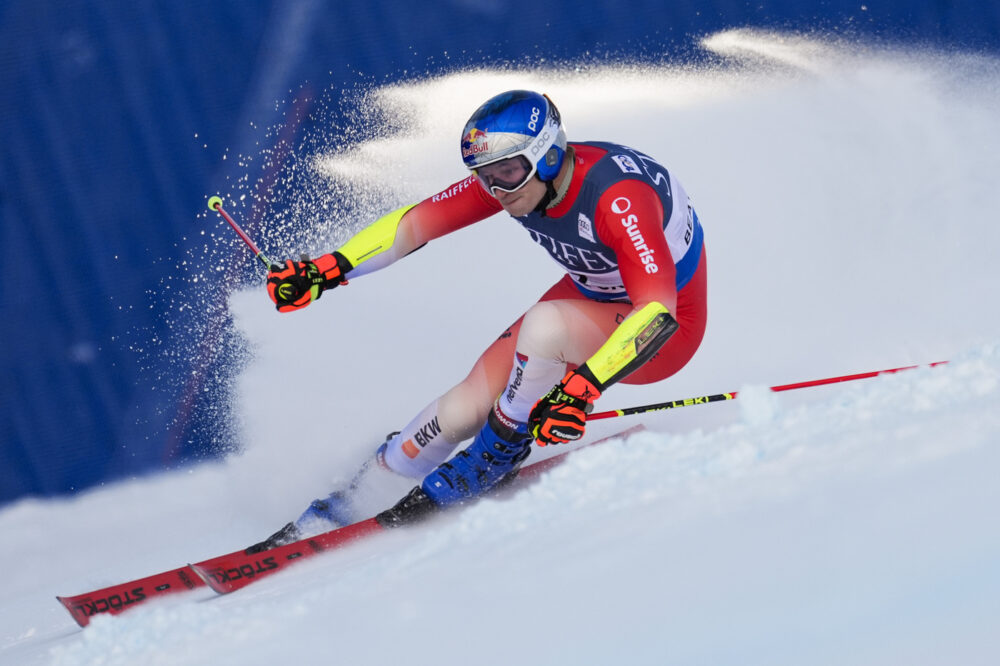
721,397
215,203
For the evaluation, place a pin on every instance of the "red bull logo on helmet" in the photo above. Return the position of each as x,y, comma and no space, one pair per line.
474,143
474,135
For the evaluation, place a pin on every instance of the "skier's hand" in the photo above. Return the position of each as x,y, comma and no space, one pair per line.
561,415
296,284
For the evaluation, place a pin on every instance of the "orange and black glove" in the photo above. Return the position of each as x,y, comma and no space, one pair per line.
561,415
299,283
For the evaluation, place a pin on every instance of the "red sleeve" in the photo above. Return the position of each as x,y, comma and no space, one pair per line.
458,206
630,222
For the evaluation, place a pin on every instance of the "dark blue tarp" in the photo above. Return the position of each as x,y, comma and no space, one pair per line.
113,120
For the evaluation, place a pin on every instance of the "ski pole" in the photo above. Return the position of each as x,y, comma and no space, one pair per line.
215,203
719,397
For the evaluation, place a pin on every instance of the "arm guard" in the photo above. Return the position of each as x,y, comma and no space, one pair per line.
374,239
633,343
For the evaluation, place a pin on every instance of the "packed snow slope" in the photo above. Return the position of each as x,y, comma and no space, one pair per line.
851,208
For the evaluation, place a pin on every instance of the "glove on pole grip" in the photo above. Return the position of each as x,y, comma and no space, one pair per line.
561,415
296,284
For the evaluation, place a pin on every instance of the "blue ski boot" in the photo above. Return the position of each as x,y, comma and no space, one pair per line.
337,509
324,514
497,451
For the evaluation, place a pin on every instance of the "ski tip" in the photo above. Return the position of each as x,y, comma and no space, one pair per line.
80,618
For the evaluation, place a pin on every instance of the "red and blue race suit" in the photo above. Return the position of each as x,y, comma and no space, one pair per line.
627,236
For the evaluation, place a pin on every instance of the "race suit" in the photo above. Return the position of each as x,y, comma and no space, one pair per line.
631,244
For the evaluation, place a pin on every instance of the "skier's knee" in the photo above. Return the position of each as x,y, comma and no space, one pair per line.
543,332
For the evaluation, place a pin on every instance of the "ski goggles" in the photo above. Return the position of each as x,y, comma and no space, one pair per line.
506,175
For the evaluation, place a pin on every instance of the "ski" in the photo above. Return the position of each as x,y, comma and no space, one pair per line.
233,571
223,574
119,598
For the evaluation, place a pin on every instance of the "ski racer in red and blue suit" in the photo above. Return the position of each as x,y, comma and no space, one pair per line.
630,308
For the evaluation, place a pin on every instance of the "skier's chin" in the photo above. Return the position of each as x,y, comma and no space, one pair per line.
517,204
523,200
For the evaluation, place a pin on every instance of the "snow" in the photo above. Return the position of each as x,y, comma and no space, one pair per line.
850,205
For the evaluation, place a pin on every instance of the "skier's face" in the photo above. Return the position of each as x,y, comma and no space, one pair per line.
523,200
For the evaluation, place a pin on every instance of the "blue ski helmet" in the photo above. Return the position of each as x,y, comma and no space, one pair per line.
517,122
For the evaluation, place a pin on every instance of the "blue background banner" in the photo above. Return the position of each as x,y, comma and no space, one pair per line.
114,121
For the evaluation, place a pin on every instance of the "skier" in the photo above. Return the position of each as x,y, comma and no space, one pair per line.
631,307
